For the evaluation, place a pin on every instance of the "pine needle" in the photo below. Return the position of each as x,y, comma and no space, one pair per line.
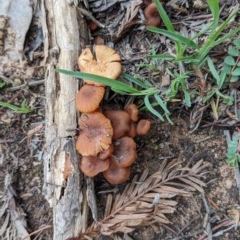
149,199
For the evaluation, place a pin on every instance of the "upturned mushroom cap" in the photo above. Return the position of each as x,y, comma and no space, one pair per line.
95,135
91,165
143,127
132,110
124,152
121,122
106,64
89,97
115,174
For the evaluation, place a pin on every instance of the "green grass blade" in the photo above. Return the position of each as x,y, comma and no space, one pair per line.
2,84
162,57
209,95
166,20
226,36
149,91
212,40
223,78
169,119
188,59
176,37
151,109
106,81
162,104
137,81
214,8
213,70
119,91
215,35
187,98
202,31
228,99
22,109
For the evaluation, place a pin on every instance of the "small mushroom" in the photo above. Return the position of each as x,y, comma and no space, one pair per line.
89,97
152,15
115,174
132,110
121,122
133,131
143,127
92,165
95,135
124,152
106,153
92,26
106,64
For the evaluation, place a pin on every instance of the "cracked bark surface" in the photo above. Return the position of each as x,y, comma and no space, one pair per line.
65,33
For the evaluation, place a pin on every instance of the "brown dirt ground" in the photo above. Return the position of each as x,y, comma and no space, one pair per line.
21,153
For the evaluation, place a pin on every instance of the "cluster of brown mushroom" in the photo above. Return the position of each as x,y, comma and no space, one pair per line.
106,137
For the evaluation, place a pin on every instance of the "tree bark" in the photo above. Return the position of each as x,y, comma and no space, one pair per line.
65,33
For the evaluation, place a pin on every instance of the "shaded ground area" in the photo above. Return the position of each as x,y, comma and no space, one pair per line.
22,144
21,151
221,193
22,159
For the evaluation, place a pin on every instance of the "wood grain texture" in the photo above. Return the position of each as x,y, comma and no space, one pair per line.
65,33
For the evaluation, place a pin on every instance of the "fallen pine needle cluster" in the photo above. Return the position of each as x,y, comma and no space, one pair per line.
148,199
106,139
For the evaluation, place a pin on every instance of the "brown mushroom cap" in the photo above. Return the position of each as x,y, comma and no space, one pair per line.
106,64
133,131
121,122
95,135
132,110
89,97
106,153
115,174
152,15
124,152
143,127
91,165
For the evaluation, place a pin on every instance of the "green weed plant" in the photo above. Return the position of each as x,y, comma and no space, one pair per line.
187,54
23,108
185,45
147,90
232,62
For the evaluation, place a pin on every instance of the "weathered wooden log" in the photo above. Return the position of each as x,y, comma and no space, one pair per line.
65,33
